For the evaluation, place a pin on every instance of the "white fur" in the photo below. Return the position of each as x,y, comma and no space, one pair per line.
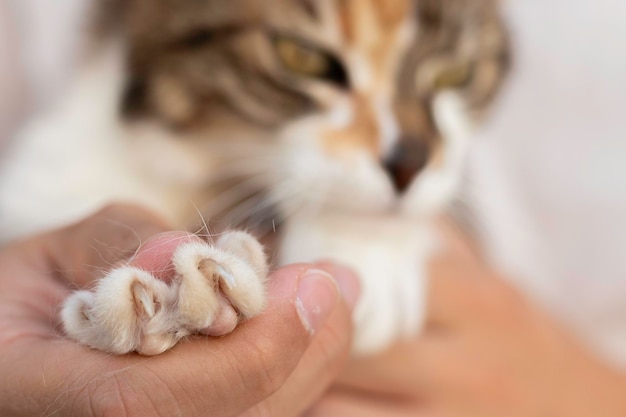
388,252
131,310
77,157
434,187
389,129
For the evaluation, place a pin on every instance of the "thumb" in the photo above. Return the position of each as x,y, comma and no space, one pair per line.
323,360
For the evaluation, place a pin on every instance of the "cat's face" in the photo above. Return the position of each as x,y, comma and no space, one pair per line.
359,105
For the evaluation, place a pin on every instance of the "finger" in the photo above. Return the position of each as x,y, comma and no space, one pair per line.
456,243
156,254
224,376
462,294
356,404
321,363
451,284
350,288
84,251
457,276
412,370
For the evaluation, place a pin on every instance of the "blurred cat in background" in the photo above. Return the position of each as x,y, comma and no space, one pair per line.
340,124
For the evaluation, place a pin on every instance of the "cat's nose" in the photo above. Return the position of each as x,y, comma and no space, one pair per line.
406,160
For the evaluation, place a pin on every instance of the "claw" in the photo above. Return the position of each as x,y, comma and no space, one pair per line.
145,304
211,268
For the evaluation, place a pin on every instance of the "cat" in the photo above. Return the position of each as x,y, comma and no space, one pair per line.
341,124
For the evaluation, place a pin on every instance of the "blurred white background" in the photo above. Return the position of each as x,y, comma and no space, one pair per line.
547,179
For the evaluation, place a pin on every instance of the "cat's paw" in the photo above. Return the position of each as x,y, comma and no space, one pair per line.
214,287
221,284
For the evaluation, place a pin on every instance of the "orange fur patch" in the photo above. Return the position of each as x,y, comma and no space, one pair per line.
370,27
363,132
369,19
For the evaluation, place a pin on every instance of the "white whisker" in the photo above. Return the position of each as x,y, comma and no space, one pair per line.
238,192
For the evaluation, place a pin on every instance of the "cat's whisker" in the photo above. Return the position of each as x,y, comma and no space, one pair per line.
236,193
233,174
204,226
313,197
292,210
242,210
293,205
254,208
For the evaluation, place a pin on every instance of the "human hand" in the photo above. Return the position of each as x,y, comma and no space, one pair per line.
270,365
486,352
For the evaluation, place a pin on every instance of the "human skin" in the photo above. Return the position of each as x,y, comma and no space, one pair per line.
486,351
269,366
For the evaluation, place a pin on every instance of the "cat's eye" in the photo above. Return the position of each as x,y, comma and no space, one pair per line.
453,76
194,39
309,61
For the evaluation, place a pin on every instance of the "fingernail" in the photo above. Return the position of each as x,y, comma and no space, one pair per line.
316,298
347,281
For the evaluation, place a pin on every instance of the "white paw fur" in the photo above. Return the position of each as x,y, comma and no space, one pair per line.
214,288
388,253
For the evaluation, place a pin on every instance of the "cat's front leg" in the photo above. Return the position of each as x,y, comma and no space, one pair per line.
214,287
388,253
